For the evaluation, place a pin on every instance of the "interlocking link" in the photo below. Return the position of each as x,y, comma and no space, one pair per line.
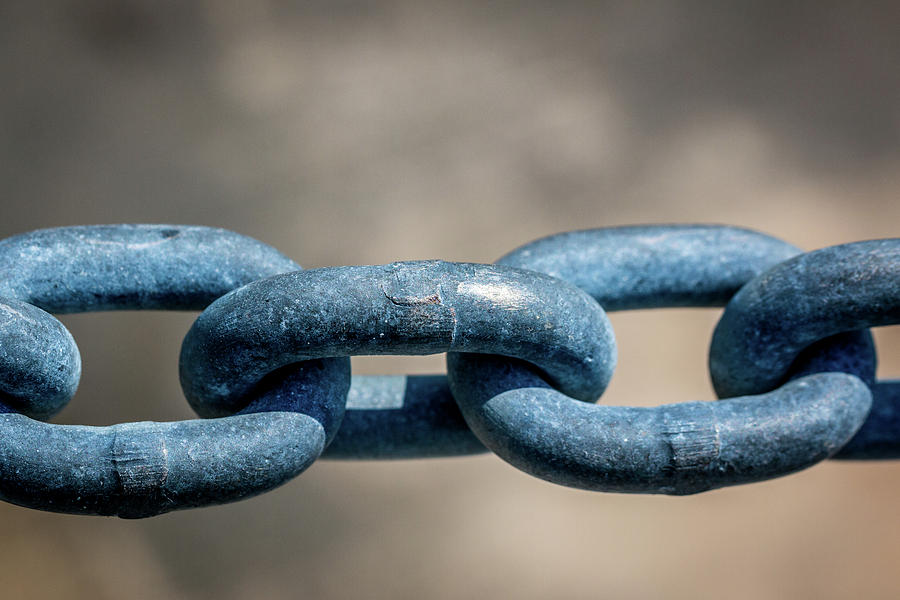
777,315
403,308
121,267
142,469
673,449
529,349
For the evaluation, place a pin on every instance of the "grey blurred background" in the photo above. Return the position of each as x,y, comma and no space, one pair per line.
358,133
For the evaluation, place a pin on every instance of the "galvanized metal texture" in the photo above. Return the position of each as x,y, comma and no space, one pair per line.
135,470
673,449
132,267
783,311
528,351
121,267
143,469
403,308
711,262
39,362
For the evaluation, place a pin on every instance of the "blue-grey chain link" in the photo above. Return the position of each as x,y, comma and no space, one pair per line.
774,320
670,449
141,469
528,351
422,307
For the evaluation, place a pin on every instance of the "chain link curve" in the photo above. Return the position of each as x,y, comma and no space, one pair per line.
765,330
393,417
671,449
144,469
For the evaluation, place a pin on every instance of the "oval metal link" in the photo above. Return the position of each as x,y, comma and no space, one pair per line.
688,265
144,469
672,449
135,470
403,308
782,312
132,267
268,362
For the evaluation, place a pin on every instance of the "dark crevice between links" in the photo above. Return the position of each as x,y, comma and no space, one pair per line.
854,352
298,388
404,416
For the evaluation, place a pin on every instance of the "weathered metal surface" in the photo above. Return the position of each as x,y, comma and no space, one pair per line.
673,449
132,267
691,265
39,362
782,312
143,469
528,352
422,307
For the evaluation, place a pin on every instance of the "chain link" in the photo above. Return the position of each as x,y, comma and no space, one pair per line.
529,350
773,319
133,469
671,449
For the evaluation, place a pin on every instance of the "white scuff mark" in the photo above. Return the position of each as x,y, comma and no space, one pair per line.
499,294
128,245
9,309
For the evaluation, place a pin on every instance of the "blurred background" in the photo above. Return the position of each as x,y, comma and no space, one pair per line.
348,132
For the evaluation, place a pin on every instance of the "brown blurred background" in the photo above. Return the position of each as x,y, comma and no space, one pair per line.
357,133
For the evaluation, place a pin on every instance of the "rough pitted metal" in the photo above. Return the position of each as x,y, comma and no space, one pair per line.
39,362
422,307
143,469
528,351
778,315
711,263
132,267
671,449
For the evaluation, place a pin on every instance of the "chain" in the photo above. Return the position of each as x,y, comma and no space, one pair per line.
529,350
